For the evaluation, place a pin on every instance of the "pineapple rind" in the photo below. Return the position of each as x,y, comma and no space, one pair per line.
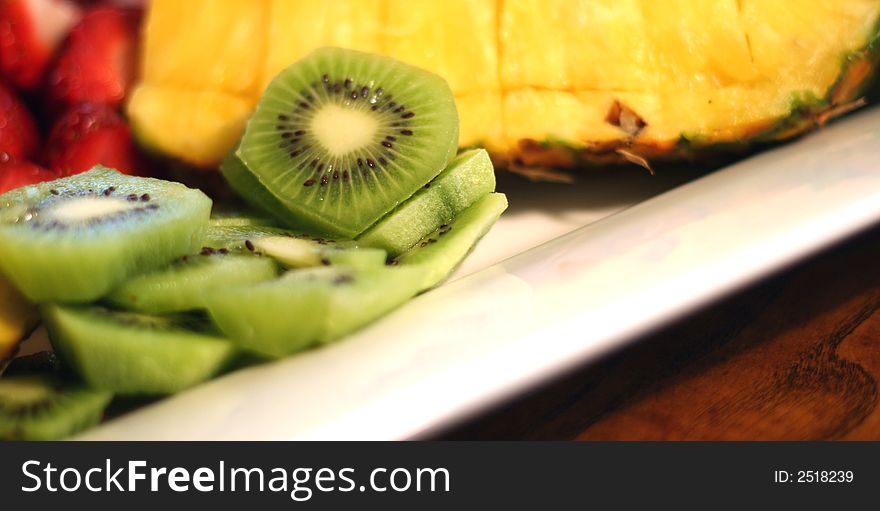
804,113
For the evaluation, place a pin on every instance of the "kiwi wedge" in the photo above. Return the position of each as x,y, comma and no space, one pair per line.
341,137
293,249
37,407
467,178
74,239
182,286
439,253
135,354
307,307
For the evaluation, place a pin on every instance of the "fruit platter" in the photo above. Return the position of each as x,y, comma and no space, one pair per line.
293,219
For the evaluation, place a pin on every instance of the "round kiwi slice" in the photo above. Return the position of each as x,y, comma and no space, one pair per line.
306,307
341,137
35,407
182,286
129,353
74,239
439,253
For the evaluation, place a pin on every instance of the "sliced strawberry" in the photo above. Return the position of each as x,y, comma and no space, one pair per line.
30,32
19,137
88,135
97,63
14,174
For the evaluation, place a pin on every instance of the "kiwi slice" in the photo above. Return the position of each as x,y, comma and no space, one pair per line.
293,249
341,137
135,354
443,250
307,307
74,239
182,286
35,407
467,178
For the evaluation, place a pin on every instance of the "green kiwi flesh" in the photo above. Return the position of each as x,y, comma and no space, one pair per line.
134,354
307,307
39,407
293,249
443,250
240,219
341,137
182,286
467,178
74,239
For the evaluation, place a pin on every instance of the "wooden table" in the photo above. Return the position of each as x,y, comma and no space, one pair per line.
795,357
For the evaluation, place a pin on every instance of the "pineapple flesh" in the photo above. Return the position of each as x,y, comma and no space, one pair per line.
537,82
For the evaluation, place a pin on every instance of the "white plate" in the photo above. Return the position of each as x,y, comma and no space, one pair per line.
523,319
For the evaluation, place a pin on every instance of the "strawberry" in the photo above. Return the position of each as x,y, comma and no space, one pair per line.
30,32
98,62
14,174
88,135
19,137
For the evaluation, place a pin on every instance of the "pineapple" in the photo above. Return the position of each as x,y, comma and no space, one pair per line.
537,82
17,318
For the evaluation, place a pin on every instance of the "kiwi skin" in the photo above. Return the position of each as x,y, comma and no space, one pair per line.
42,362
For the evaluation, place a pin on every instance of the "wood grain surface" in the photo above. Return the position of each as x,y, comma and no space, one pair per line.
795,357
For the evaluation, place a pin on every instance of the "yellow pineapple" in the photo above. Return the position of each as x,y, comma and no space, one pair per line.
17,318
537,82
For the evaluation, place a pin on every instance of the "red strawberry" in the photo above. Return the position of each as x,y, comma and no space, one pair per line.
14,174
88,135
97,63
19,137
30,31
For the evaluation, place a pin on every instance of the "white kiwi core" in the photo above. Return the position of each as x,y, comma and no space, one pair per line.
81,209
341,131
291,252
